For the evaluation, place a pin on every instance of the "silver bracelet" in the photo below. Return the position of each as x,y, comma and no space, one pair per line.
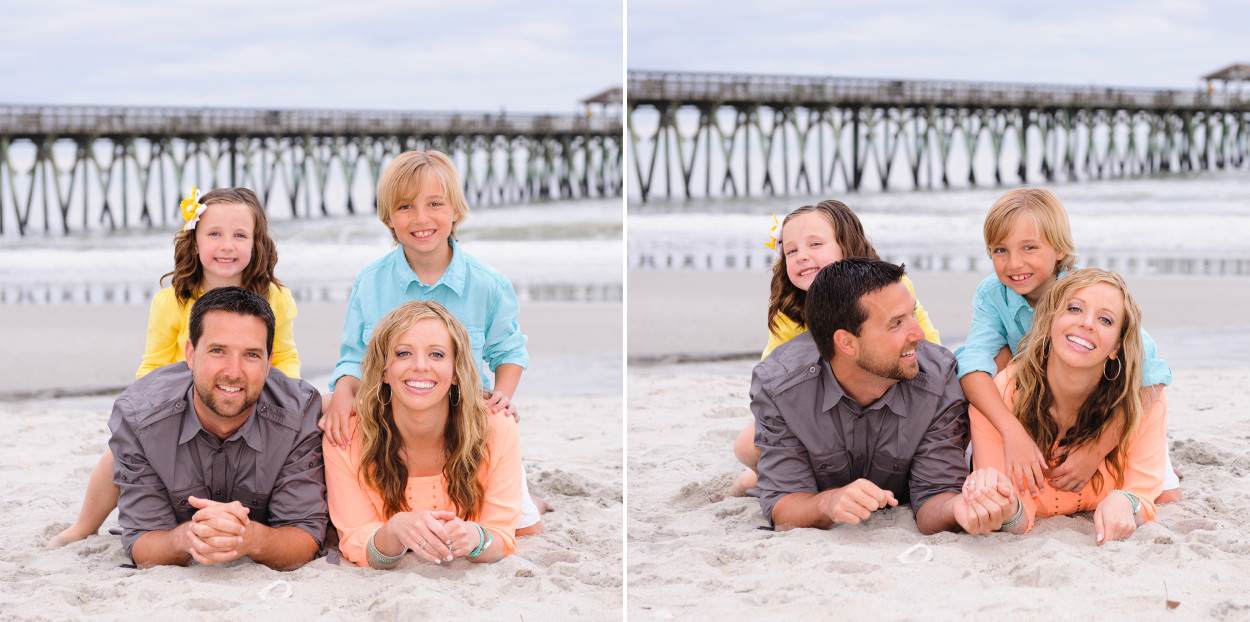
1015,519
376,558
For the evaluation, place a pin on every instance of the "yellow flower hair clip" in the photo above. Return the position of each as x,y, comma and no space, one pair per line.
191,209
772,239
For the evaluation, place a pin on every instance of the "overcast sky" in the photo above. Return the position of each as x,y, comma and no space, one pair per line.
479,55
1163,43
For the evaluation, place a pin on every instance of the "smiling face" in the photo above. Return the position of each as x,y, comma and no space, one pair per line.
1024,261
422,218
1086,331
223,239
886,345
421,368
808,243
228,369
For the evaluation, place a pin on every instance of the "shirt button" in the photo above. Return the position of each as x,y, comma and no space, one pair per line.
811,370
217,493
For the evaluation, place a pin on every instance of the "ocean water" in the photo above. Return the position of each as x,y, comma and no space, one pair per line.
558,251
1193,224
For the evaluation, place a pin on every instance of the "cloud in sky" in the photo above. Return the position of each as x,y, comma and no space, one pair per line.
1162,43
474,55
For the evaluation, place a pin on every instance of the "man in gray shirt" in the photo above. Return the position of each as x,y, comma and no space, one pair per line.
220,457
860,413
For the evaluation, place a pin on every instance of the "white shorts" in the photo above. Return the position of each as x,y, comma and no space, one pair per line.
529,511
1170,480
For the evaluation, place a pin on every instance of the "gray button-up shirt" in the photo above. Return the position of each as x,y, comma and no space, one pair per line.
161,455
813,436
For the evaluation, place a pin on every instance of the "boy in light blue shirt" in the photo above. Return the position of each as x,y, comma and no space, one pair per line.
420,200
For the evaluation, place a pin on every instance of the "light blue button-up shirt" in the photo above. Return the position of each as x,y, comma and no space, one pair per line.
480,297
1001,317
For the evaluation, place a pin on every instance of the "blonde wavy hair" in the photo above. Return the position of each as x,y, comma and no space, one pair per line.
1114,401
466,433
1047,212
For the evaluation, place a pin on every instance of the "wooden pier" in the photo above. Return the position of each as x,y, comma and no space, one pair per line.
705,134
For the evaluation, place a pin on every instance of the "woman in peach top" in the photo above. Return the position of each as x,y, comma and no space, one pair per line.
429,469
1077,375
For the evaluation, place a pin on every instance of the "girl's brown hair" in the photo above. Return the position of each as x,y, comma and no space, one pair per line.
1113,402
465,435
849,234
188,273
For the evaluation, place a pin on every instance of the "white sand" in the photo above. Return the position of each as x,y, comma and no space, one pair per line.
694,553
571,441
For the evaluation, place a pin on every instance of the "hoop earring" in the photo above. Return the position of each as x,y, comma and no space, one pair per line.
454,394
387,401
1119,367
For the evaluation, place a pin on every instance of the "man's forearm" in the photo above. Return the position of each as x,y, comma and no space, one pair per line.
162,548
801,509
937,514
280,548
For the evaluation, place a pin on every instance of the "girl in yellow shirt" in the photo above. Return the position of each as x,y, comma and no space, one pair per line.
227,245
811,237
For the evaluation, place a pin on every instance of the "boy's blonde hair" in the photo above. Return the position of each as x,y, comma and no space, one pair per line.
1047,213
406,171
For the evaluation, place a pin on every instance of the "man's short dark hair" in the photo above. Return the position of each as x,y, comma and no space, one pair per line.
833,299
235,300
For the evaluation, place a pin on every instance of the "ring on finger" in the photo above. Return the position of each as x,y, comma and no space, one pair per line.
422,547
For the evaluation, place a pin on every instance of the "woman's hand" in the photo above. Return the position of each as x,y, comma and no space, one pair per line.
336,412
426,534
1025,463
1114,519
986,501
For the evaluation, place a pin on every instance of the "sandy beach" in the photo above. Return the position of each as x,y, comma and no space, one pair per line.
694,553
571,438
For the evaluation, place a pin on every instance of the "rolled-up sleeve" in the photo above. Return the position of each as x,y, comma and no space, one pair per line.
352,342
939,464
505,343
299,493
986,336
784,465
143,502
1154,369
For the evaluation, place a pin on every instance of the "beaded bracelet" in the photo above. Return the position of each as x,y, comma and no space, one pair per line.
1132,498
484,540
1015,519
376,558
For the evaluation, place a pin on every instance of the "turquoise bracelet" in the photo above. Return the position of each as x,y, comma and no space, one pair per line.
1132,498
484,540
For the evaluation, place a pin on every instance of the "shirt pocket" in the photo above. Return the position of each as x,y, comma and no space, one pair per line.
889,473
256,503
366,333
182,507
832,469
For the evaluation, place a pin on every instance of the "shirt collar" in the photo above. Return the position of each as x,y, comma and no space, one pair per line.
191,426
453,277
891,400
